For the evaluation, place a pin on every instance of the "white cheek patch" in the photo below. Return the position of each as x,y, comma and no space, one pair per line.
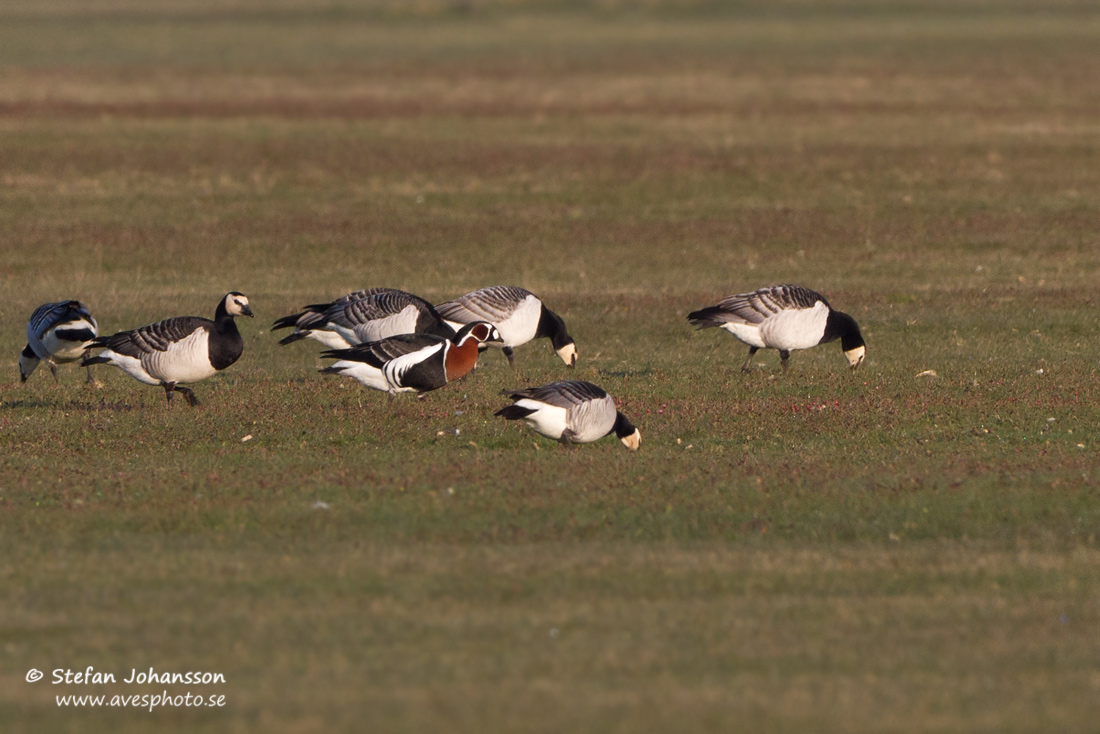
568,354
633,441
855,356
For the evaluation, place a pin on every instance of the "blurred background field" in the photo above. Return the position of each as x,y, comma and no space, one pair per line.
910,547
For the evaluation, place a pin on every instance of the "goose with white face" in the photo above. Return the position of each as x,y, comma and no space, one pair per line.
57,333
177,351
571,411
785,318
364,316
518,313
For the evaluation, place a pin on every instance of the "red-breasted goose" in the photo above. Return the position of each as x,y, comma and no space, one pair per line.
413,362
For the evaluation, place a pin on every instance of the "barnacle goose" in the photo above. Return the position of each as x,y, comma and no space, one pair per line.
364,316
783,317
573,411
413,362
56,333
180,350
518,313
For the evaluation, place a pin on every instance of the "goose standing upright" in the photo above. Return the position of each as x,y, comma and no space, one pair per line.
413,362
572,411
519,314
57,333
177,351
783,317
364,316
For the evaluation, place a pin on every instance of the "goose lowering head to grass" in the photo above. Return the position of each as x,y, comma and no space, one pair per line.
364,316
177,351
519,314
413,362
57,333
572,411
783,317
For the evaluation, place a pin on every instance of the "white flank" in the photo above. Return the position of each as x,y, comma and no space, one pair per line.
592,419
548,420
747,333
795,328
185,361
131,366
60,349
402,322
517,328
329,338
371,377
520,327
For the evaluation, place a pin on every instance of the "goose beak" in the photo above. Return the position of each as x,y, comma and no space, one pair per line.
246,311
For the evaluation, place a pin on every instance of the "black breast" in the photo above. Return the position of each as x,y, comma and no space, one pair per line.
226,344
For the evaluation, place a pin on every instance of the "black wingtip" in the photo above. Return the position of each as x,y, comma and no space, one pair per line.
704,318
296,336
514,412
287,321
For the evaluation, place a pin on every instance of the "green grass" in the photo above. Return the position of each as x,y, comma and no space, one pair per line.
820,550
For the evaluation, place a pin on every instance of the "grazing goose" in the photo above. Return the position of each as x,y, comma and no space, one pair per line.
57,332
518,313
364,316
408,362
185,349
573,411
783,317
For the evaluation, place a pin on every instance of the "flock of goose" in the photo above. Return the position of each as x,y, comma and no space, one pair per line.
394,341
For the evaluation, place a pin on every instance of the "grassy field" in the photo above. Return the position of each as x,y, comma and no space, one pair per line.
907,548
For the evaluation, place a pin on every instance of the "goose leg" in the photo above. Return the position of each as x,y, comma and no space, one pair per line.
53,369
189,394
784,355
168,388
511,357
752,351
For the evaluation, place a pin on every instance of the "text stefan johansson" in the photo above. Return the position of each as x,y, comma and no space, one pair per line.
91,676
